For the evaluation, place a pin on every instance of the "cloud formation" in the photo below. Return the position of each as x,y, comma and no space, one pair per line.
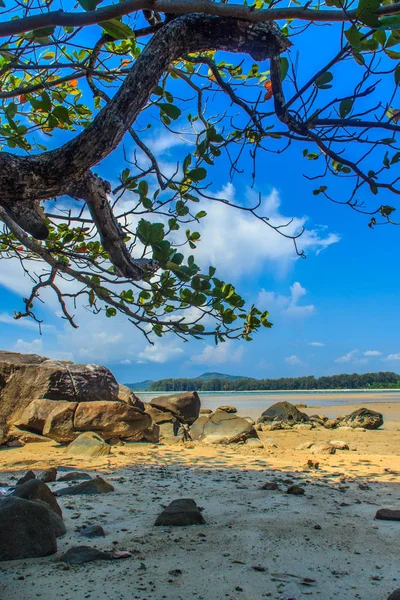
293,360
287,305
225,352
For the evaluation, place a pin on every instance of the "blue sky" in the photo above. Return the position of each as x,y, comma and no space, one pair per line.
336,311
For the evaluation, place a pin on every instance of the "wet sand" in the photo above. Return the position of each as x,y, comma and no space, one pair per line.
256,543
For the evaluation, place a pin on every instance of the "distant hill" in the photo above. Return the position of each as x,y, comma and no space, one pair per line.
209,376
143,386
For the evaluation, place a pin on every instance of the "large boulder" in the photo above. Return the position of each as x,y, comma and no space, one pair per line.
112,419
221,428
27,377
26,529
35,414
185,407
59,425
89,444
127,395
283,411
363,417
34,489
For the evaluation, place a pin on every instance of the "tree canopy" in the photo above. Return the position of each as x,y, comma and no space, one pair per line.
80,80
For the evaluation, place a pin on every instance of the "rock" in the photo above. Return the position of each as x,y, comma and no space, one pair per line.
185,407
37,490
159,416
318,420
228,409
270,486
74,476
300,405
15,444
270,443
303,426
89,488
295,490
27,477
312,464
26,530
92,531
363,417
254,443
27,437
35,414
250,420
89,444
127,395
48,475
59,425
323,448
205,411
331,423
83,554
180,513
112,419
387,514
394,595
283,411
171,433
28,377
270,426
305,446
221,427
339,445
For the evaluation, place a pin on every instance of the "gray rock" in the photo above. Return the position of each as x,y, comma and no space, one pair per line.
295,490
363,417
270,485
180,513
387,514
37,490
92,531
27,477
74,476
48,475
88,444
221,427
26,530
283,411
394,595
254,443
89,488
83,554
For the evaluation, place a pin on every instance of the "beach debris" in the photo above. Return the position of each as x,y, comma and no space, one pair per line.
180,512
37,490
295,490
91,531
48,475
74,476
98,485
26,529
387,514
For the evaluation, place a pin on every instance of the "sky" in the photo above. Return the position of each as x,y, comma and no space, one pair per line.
337,311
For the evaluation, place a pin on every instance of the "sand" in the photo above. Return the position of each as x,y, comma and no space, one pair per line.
256,543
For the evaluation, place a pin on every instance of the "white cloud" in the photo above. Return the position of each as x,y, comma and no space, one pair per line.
286,305
392,357
293,360
225,352
317,344
159,353
238,243
126,361
372,353
349,357
34,347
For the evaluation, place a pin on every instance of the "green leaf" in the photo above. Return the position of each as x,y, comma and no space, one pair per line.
391,22
171,110
345,107
2,4
366,12
117,30
41,33
89,4
197,174
380,37
353,36
392,54
284,67
397,75
61,113
322,82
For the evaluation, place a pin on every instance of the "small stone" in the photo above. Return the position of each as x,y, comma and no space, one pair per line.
181,513
91,531
254,443
305,446
48,475
15,444
295,490
270,486
386,514
317,526
95,486
323,448
27,477
270,443
74,476
83,554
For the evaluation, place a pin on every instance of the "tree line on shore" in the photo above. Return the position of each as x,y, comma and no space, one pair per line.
379,380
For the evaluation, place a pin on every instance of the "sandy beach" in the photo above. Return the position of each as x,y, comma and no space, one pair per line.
255,544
